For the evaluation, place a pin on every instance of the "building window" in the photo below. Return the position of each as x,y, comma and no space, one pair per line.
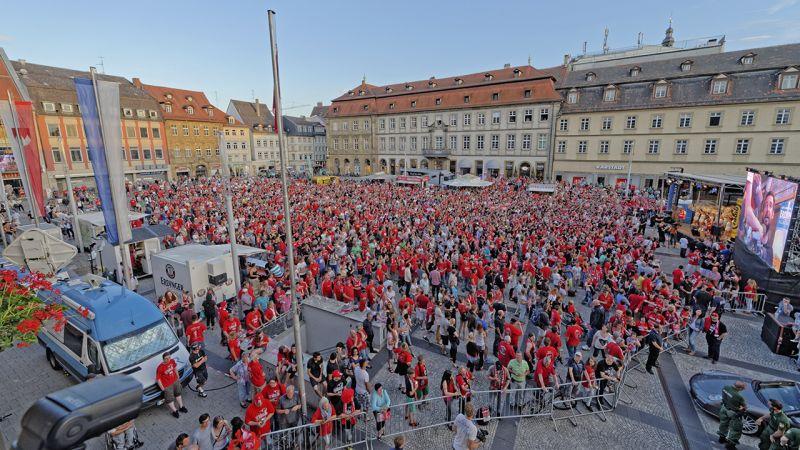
585,124
680,146
742,146
439,142
606,123
188,153
495,96
143,131
654,147
467,119
715,119
657,121
185,130
748,118
610,94
788,81
481,119
479,142
167,107
438,101
402,124
719,87
511,142
49,106
465,144
495,117
782,116
392,123
66,108
776,146
685,120
630,123
453,120
424,121
140,113
53,130
561,147
196,130
495,141
572,97
75,154
747,59
413,143
544,114
453,142
159,153
147,154
57,155
152,114
366,125
660,90
512,117
635,71
582,146
603,150
391,105
156,133
134,153
627,147
527,116
563,125
590,76
382,124
413,104
466,99
686,66
174,130
526,141
527,93
127,112
190,110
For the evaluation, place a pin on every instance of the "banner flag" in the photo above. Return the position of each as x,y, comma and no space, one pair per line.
25,133
104,137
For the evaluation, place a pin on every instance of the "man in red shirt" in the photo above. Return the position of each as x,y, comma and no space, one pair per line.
677,276
574,334
258,415
505,351
273,391
545,372
168,382
195,333
257,377
253,321
514,331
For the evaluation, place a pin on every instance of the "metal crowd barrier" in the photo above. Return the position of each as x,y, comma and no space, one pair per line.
743,302
334,434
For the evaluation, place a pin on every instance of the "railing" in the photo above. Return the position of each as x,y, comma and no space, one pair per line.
746,302
332,434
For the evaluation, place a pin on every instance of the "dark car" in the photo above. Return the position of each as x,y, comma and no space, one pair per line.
706,390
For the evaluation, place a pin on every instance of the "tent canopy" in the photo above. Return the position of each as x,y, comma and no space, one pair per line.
96,218
718,180
149,232
467,181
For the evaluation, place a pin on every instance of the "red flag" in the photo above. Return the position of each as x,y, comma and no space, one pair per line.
25,131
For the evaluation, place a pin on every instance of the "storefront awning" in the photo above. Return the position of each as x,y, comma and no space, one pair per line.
492,164
464,164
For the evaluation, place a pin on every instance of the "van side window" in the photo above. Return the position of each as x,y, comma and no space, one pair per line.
91,349
73,339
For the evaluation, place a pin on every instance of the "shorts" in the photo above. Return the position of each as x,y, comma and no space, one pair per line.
200,375
173,391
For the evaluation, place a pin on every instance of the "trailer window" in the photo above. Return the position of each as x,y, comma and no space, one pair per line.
138,346
73,339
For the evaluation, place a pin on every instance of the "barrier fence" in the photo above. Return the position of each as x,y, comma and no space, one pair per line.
566,401
746,302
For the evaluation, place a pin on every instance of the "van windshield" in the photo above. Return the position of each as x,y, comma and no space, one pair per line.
137,347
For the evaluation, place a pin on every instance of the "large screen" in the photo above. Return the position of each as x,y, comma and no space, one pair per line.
766,216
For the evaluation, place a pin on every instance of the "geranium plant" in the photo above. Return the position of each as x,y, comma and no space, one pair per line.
22,313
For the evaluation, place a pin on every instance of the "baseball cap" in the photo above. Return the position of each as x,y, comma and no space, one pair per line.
336,374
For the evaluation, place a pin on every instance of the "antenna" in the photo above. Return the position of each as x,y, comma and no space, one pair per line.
639,39
585,43
102,66
253,94
529,60
605,41
216,98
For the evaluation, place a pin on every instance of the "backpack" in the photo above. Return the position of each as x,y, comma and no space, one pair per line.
542,321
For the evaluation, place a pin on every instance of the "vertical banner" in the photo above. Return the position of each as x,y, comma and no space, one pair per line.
103,136
24,135
673,192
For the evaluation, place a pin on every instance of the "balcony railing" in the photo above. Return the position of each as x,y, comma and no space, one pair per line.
436,152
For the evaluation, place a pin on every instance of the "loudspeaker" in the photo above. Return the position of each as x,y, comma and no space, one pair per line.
778,336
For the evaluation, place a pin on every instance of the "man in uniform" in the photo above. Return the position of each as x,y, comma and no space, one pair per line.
777,421
730,415
790,440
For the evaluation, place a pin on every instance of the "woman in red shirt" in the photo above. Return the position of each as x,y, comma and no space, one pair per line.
323,418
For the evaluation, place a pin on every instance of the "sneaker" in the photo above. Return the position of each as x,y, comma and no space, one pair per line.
175,414
183,409
202,394
584,347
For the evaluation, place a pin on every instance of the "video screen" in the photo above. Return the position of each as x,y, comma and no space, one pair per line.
766,216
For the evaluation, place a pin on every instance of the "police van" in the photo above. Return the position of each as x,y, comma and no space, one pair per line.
110,330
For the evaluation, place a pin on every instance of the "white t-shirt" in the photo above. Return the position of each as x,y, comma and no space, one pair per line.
466,431
362,378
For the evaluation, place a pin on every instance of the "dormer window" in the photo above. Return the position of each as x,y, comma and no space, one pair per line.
591,76
517,73
466,99
168,95
210,112
365,107
231,121
660,89
336,109
635,71
719,85
495,96
189,98
409,87
388,90
610,94
527,93
413,103
789,79
488,77
66,108
49,106
190,110
152,114
351,93
686,66
459,81
431,84
747,59
572,96
439,101
167,107
391,105
127,112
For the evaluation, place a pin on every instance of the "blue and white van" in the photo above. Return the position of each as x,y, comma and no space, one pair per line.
110,330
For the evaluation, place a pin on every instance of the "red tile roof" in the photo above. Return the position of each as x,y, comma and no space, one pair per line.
180,100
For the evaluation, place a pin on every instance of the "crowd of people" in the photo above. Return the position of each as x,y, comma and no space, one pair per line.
493,274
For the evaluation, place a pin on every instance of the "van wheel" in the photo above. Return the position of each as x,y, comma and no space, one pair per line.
51,358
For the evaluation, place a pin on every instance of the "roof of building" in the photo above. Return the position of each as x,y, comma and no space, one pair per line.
320,110
56,84
779,56
252,115
503,75
181,100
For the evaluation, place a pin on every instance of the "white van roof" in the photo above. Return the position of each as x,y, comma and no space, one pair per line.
194,252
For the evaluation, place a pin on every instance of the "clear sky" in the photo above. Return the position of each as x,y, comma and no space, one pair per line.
326,46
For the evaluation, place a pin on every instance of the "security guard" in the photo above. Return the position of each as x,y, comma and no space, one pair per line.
777,421
730,415
790,440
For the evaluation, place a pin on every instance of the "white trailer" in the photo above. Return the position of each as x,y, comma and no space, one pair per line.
194,268
92,225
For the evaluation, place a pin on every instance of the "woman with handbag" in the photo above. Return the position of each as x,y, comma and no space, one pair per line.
380,403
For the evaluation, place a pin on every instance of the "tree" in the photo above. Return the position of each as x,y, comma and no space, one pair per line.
22,312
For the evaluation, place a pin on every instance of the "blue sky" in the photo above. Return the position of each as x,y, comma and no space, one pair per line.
326,46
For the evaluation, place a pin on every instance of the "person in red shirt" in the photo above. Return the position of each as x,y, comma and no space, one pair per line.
514,331
323,418
505,351
273,391
231,328
677,276
257,377
195,333
243,439
327,287
614,349
544,376
168,382
258,415
546,349
574,334
464,388
253,321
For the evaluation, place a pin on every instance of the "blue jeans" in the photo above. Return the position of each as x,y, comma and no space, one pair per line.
243,388
693,340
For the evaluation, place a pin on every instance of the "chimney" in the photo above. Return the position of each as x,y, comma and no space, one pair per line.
258,108
137,82
566,59
22,62
319,103
506,65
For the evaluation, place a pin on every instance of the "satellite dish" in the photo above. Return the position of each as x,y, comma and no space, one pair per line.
38,251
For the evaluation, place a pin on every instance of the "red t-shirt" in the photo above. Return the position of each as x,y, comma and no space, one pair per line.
574,333
257,376
546,371
167,373
255,414
273,393
195,332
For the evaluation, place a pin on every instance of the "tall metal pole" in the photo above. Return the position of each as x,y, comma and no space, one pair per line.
226,175
628,180
71,196
5,205
23,174
287,212
127,270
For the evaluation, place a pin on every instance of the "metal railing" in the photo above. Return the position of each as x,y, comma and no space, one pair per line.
334,433
745,302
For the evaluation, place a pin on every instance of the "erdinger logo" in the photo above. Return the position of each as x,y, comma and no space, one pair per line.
170,271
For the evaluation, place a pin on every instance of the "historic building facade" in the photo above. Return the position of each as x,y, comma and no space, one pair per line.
236,140
60,134
257,117
496,123
712,113
192,125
